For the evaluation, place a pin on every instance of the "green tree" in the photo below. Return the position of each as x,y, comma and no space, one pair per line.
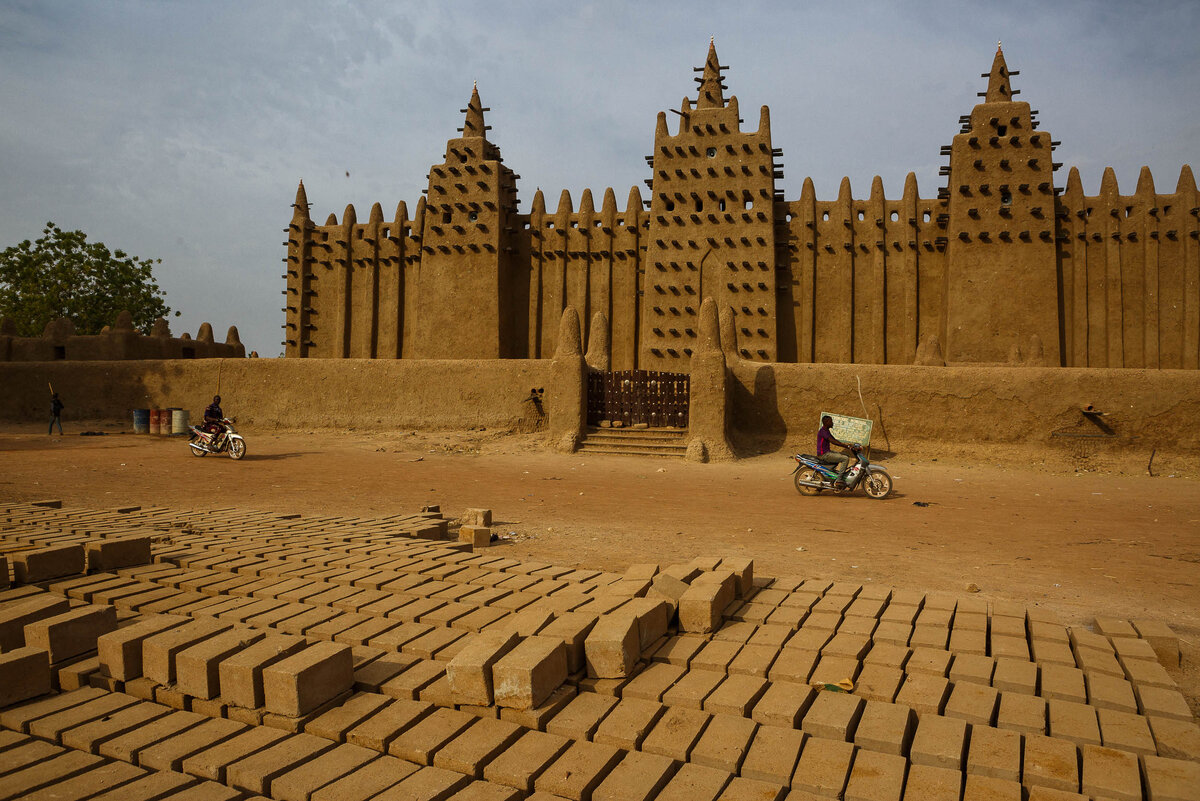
64,275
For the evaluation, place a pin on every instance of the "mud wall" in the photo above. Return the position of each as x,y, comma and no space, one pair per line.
777,406
287,393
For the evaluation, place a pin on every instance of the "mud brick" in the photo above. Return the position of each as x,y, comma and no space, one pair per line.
1015,676
738,631
299,783
89,736
988,788
579,719
484,618
637,777
972,668
51,727
1051,762
628,723
151,786
783,704
1160,637
1052,652
117,552
415,680
24,674
995,753
470,672
653,616
527,675
811,636
1091,660
211,763
1110,773
752,612
256,773
373,675
702,606
1023,713
168,754
1170,779
102,777
875,777
773,754
159,650
521,764
471,751
724,742
925,693
736,695
885,728
1163,702
1125,731
695,783
377,731
172,697
834,669
1114,627
301,623
676,733
367,781
932,784
421,741
397,638
579,770
241,675
1177,739
693,688
18,718
668,587
824,767
1146,672
336,722
1109,692
743,570
1074,722
128,745
770,636
974,703
367,630
15,617
298,684
878,682
789,617
197,667
939,742
654,680
1063,683
793,665
43,564
23,781
717,655
572,628
928,660
929,637
898,611
613,646
893,632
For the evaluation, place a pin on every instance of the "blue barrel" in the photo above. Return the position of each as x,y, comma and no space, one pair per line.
141,421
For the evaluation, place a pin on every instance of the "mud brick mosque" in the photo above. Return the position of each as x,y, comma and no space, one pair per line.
1002,266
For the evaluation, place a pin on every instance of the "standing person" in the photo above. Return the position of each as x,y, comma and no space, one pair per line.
825,438
56,407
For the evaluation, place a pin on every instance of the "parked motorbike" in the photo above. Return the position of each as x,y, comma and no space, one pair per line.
813,476
227,440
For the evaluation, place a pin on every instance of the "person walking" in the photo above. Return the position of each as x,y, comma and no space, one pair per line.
56,407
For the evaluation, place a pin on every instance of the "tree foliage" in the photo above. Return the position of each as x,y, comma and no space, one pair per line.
64,275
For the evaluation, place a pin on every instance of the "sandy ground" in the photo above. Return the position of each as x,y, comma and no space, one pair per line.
1083,544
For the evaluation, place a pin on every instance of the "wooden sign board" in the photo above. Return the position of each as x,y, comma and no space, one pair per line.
849,429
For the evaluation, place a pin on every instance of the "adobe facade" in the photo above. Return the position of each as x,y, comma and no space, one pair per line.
118,342
1001,266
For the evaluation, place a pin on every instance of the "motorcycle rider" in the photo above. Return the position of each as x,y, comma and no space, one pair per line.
212,419
825,438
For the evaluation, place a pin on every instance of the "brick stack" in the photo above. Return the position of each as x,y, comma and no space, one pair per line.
288,657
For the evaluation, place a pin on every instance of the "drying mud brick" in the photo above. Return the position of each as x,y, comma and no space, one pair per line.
18,614
783,704
773,754
241,675
833,716
1108,773
521,764
127,746
702,606
336,722
628,722
475,536
421,742
676,732
724,743
24,674
255,773
579,718
71,633
577,773
1160,637
933,784
824,767
470,672
1050,762
875,776
210,763
476,517
939,742
572,628
368,781
527,675
694,783
159,650
653,616
1171,779
471,751
995,753
638,777
197,668
613,646
298,684
117,552
886,728
299,783
43,564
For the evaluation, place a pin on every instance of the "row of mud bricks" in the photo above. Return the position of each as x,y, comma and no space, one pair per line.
257,655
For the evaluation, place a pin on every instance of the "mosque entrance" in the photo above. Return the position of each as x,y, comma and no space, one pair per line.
643,398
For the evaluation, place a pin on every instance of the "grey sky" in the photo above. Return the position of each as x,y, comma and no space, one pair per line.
178,130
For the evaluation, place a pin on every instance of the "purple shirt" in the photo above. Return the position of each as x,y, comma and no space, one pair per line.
823,437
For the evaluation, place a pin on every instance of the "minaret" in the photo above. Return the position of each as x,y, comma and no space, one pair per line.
468,278
1001,256
711,228
297,324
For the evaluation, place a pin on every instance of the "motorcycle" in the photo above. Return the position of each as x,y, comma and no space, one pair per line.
813,476
227,440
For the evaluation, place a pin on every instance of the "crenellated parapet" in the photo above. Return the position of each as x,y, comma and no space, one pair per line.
118,342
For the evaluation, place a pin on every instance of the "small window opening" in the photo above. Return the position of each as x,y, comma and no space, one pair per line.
189,353
699,205
473,216
670,205
862,215
1129,211
446,217
825,216
721,205
895,216
711,152
748,204
926,216
60,352
1006,198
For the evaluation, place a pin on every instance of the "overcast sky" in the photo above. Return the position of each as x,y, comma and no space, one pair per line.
179,130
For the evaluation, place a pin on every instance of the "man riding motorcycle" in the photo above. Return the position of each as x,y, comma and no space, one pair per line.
213,417
825,438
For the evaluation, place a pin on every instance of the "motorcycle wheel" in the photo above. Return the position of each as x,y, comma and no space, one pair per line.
237,448
808,474
196,449
877,484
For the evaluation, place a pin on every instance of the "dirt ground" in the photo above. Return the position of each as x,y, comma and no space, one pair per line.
1083,544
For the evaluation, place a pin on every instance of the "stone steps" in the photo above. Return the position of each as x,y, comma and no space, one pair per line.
658,442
